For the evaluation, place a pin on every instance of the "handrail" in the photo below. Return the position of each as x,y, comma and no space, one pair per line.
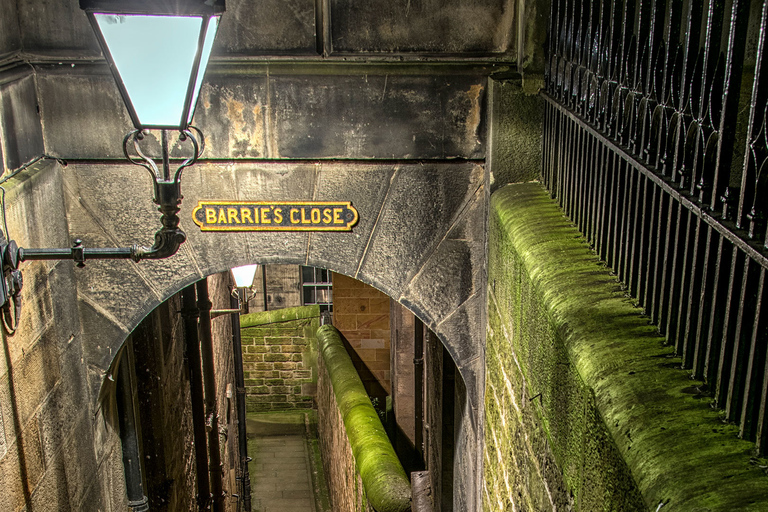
386,485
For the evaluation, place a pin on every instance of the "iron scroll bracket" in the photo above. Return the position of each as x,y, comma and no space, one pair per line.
168,239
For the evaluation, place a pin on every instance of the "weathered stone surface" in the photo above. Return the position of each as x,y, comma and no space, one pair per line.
268,27
515,131
301,112
235,115
378,115
56,26
10,38
62,410
422,205
455,267
69,125
20,128
366,186
28,382
402,26
22,468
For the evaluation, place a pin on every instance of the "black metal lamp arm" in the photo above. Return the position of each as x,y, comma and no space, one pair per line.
167,189
168,239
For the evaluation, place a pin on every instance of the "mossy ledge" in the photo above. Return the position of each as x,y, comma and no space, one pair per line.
678,452
278,316
386,485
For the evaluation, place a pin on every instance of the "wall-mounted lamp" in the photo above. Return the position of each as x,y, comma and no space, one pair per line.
243,281
157,51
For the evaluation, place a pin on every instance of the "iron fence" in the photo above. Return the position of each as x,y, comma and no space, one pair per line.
656,146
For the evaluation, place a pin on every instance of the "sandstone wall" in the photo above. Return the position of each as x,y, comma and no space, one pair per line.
280,358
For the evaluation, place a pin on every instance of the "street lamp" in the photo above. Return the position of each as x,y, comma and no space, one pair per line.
243,277
157,51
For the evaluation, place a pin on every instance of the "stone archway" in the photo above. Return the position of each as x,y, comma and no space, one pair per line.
420,240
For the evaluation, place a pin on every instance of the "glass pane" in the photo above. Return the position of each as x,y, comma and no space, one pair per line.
307,275
324,276
210,35
154,56
322,296
244,275
309,295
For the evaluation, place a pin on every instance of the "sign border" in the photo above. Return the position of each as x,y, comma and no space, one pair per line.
346,228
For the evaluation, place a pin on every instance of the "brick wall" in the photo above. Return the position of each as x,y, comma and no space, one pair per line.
163,395
361,313
280,358
344,481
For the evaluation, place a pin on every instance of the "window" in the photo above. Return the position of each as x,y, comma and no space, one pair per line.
316,288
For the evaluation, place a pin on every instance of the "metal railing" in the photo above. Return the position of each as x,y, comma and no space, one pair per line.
656,146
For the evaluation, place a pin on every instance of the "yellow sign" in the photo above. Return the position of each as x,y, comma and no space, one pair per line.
275,216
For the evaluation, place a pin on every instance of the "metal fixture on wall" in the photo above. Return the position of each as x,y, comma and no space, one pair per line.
242,292
179,34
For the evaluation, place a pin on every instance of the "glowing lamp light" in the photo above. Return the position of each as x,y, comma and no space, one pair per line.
244,275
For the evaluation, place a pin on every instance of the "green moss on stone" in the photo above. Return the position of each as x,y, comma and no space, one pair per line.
386,485
618,416
278,315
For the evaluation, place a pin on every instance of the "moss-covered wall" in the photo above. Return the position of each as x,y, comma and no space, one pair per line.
586,408
364,473
280,358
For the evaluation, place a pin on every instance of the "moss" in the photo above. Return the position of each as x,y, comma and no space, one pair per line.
386,485
618,416
278,316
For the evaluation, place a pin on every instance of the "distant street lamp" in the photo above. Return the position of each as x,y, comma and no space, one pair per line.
243,277
157,51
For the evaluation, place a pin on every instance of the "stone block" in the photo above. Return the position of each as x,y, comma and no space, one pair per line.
277,357
402,27
10,37
378,115
422,204
22,467
268,27
20,126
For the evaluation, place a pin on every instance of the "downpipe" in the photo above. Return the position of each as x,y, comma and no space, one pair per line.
242,440
129,439
209,385
192,355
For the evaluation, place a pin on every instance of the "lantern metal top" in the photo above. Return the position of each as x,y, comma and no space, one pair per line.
156,7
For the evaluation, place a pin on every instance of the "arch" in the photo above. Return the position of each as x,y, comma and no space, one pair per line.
420,239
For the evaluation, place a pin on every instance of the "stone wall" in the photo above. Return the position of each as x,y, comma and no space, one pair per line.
344,482
50,455
586,407
164,403
219,290
280,358
361,313
363,471
164,412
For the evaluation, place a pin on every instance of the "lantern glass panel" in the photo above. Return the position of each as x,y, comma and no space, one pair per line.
210,35
154,56
244,275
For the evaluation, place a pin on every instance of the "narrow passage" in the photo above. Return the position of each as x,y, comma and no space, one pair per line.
286,473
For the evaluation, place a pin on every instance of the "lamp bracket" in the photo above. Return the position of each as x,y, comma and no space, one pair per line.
168,239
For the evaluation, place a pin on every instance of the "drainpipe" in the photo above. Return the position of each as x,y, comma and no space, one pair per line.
242,440
264,284
209,385
129,439
418,381
192,354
